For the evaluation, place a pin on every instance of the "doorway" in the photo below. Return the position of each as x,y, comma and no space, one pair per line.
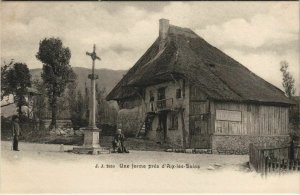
162,118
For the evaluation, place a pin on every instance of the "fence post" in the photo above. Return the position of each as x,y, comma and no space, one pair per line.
294,165
278,165
250,155
266,166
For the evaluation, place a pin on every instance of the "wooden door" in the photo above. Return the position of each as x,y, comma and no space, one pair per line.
162,117
199,136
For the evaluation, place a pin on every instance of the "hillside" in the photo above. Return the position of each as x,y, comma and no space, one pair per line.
107,78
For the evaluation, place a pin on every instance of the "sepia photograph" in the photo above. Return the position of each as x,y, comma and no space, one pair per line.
150,97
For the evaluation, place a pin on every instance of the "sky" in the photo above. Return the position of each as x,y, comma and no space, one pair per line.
257,34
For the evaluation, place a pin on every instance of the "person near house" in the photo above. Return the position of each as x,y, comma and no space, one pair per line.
151,102
15,132
118,142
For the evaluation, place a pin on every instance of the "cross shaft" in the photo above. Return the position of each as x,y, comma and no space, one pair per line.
93,77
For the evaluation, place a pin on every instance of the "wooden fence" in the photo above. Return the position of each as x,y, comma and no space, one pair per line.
266,159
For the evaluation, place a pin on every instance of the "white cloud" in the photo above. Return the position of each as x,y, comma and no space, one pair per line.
274,27
267,65
123,32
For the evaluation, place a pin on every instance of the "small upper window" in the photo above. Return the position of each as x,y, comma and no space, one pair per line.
178,93
151,96
173,121
161,93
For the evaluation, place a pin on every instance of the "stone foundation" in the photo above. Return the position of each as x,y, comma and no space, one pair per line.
239,144
91,143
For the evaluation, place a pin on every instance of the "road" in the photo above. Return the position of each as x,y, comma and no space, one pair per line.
40,168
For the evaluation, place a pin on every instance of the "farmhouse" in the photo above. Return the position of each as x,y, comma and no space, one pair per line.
185,92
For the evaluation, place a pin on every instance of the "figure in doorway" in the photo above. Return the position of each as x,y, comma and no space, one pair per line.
151,101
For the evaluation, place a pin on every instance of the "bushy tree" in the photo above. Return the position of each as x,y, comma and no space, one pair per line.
57,71
78,111
71,95
288,81
5,67
40,102
17,80
106,113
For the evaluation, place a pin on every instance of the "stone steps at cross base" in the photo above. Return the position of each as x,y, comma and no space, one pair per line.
135,144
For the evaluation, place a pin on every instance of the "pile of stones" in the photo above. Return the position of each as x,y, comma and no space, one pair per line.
190,150
66,132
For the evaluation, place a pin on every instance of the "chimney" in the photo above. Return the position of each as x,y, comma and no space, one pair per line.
163,28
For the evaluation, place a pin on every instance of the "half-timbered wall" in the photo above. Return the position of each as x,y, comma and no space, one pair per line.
175,132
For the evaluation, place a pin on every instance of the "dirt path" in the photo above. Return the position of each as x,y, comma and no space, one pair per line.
41,168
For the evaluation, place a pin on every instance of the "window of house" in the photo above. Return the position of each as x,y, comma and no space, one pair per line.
151,96
173,121
248,108
161,93
178,93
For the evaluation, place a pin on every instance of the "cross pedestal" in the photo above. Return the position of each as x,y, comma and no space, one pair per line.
91,143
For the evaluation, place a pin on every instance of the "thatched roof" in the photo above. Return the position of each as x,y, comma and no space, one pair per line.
186,55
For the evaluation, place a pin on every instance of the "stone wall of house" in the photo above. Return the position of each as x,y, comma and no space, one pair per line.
239,144
174,135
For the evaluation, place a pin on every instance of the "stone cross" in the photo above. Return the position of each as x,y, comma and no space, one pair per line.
93,77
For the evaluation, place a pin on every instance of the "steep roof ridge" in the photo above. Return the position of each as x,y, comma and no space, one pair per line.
131,71
240,65
268,83
232,59
199,63
182,31
159,53
226,84
184,52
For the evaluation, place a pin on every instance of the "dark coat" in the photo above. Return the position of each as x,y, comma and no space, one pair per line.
118,143
119,138
15,129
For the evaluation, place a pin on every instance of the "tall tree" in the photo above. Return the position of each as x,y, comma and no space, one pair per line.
288,81
106,113
57,71
40,103
5,67
18,79
71,95
78,111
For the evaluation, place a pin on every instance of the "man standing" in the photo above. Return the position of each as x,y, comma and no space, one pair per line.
15,132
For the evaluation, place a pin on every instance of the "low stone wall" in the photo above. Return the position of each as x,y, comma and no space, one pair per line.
190,150
239,144
60,123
